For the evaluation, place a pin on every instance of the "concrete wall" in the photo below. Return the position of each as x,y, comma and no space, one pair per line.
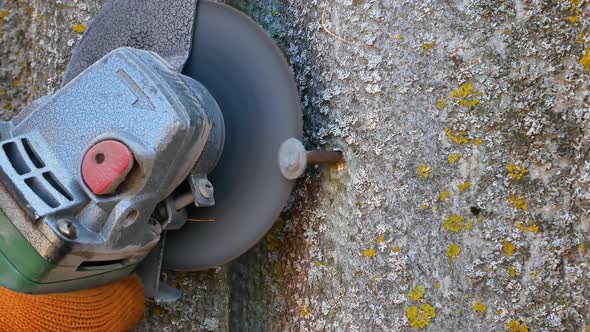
464,202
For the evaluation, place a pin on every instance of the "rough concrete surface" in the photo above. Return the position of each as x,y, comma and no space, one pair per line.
464,203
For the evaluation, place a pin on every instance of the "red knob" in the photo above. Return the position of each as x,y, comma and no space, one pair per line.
106,165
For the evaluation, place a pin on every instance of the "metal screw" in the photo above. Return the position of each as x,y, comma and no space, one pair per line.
206,188
66,228
292,158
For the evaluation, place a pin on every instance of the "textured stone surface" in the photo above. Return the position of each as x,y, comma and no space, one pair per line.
358,240
431,102
36,41
204,306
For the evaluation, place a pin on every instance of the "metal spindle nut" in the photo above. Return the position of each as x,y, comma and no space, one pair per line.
292,158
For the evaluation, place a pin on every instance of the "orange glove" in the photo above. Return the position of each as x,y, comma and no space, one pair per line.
113,307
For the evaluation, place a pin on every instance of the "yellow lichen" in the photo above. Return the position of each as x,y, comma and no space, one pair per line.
369,253
517,326
426,47
318,263
575,10
278,272
532,229
441,104
420,317
304,311
516,171
454,223
581,37
507,32
381,239
30,10
477,141
417,293
443,195
582,248
396,249
272,242
464,186
424,171
464,91
453,251
518,202
4,14
17,82
79,28
585,60
425,206
470,103
480,307
333,314
399,36
469,225
509,248
437,285
452,158
499,312
465,95
458,138
535,274
512,271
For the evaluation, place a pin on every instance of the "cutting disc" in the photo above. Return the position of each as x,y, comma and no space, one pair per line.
248,76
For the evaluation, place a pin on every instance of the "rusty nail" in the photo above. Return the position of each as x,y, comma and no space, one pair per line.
324,157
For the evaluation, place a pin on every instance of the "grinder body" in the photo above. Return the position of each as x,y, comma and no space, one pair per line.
58,232
113,169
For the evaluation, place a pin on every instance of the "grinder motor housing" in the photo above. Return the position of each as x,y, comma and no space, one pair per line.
88,174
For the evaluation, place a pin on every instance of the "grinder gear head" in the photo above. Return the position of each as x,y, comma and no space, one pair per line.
82,171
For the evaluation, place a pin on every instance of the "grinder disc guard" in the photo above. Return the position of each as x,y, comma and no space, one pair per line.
247,75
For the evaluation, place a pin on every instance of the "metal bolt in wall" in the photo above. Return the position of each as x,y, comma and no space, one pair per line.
293,158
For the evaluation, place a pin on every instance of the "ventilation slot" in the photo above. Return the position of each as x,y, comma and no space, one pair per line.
101,265
39,189
48,176
16,158
32,154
